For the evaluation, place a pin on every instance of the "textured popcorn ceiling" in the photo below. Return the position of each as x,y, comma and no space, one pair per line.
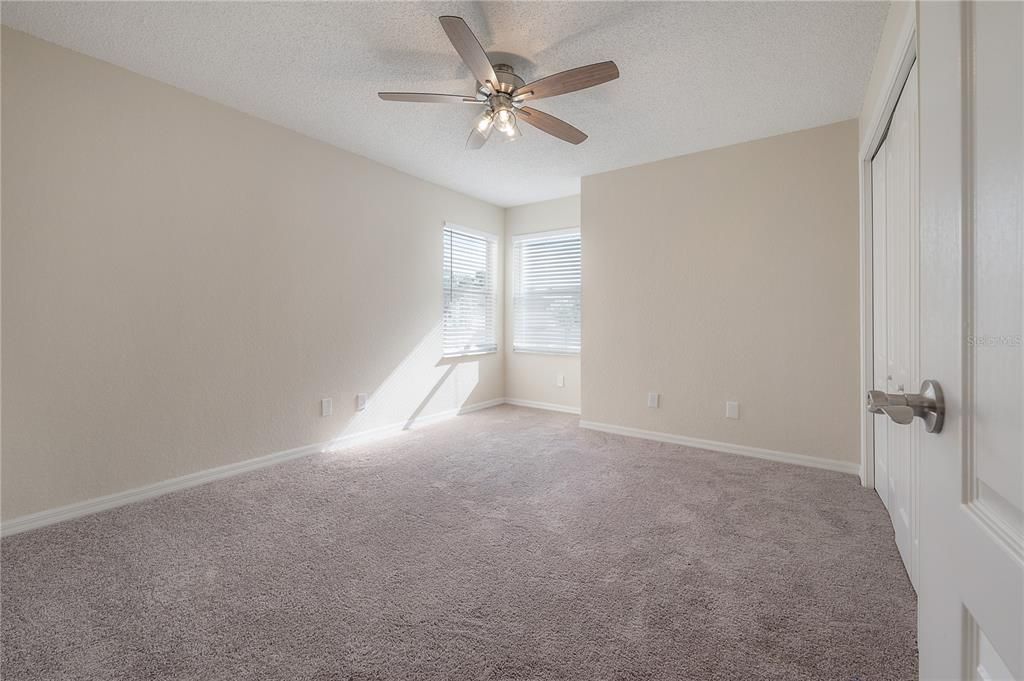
694,76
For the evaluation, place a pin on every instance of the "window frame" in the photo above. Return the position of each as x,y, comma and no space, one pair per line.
537,236
494,267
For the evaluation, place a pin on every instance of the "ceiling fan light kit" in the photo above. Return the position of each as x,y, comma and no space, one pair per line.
504,93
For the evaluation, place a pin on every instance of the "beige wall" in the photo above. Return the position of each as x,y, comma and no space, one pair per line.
729,274
183,283
531,376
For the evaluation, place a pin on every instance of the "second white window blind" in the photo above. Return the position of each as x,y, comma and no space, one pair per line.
546,293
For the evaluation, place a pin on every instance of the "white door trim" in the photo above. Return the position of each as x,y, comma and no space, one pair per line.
896,76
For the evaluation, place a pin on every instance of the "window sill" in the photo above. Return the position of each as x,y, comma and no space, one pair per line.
554,353
472,353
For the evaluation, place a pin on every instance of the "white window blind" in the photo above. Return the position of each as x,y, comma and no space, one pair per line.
546,293
469,276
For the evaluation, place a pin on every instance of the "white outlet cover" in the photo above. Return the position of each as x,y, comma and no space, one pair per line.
326,407
653,400
360,401
732,410
560,381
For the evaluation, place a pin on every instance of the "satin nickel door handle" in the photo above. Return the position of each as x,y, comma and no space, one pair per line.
903,407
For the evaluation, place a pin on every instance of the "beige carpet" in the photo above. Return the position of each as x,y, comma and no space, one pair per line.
506,544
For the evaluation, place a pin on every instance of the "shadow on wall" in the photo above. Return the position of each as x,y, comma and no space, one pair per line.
425,385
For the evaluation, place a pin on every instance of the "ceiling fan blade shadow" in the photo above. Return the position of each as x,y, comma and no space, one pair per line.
469,48
595,26
568,81
421,65
552,125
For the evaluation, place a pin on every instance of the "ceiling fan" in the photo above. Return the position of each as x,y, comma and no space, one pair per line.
504,94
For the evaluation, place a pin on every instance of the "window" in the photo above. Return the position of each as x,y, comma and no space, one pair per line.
546,293
469,267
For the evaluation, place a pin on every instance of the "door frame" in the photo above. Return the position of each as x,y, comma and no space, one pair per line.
896,74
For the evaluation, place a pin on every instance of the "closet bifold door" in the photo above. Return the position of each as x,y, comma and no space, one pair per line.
895,236
879,324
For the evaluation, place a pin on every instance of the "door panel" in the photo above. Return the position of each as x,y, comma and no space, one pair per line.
971,587
994,448
994,294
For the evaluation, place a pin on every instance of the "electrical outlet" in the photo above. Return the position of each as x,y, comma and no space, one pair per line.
326,406
653,400
732,410
560,381
360,401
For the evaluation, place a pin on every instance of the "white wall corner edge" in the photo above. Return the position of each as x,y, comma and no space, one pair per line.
728,448
89,506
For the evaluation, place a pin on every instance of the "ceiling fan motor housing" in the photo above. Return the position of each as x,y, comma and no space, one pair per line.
508,81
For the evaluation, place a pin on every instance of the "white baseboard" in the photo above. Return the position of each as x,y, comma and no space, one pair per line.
743,450
104,503
542,405
90,506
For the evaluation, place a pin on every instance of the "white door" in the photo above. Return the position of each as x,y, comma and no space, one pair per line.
971,582
895,308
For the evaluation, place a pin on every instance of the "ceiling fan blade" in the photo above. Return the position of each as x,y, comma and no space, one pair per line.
469,49
551,125
568,81
428,98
